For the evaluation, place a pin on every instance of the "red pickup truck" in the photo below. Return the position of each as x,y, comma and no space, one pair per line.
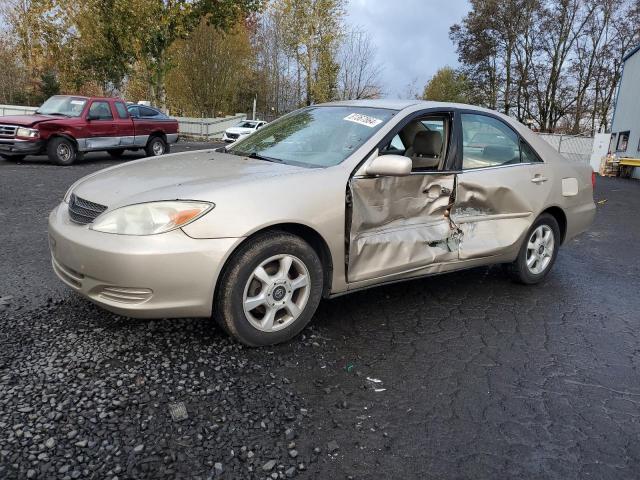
66,126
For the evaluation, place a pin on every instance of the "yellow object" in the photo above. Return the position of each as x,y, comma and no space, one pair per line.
630,162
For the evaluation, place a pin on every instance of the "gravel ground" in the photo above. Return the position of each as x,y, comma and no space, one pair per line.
465,375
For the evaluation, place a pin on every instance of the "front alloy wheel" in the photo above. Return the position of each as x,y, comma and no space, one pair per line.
269,289
276,293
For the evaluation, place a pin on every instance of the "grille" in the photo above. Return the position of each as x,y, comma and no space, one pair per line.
83,211
233,135
8,130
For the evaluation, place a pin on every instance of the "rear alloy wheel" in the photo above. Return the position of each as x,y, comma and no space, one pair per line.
61,151
538,254
156,147
269,290
116,153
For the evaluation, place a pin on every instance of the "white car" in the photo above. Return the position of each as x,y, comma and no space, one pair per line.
241,130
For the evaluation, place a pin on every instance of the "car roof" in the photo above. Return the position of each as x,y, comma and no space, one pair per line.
375,103
397,104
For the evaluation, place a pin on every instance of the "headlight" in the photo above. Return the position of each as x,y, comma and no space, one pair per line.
67,195
27,133
150,218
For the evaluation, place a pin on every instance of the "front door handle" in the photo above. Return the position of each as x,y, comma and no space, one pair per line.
539,179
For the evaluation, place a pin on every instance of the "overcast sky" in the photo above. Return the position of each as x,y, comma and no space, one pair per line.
411,36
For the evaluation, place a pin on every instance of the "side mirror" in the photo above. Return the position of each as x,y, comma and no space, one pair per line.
390,165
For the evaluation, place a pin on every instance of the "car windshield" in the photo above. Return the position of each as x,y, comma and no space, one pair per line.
314,136
63,105
247,124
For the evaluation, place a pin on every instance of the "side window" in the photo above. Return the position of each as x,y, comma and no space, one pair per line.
488,142
397,144
100,111
424,140
134,112
623,141
122,110
527,154
147,112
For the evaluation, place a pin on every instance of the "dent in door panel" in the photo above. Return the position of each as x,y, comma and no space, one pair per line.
399,223
494,209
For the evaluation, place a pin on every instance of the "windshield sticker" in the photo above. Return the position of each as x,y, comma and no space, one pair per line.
77,102
365,120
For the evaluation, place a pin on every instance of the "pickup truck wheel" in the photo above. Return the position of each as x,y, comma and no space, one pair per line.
116,153
13,158
61,151
156,147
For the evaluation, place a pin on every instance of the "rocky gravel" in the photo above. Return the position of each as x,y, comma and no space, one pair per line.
466,375
89,395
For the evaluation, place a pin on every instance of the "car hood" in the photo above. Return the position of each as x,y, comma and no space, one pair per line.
26,120
185,176
240,130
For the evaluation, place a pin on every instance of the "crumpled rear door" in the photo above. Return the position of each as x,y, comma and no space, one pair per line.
399,224
494,207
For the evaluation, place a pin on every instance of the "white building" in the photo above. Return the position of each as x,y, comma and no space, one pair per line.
625,127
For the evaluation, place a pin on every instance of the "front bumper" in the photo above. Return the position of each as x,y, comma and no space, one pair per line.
169,275
21,147
228,139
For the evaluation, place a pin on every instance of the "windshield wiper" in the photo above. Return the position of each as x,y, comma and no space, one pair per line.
257,156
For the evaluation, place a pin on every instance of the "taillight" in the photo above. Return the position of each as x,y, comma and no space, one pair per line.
593,179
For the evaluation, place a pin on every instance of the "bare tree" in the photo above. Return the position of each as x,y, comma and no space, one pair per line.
556,62
359,76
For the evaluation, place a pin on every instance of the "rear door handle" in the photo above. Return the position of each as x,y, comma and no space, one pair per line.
539,179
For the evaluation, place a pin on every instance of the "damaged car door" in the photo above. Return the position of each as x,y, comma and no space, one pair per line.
399,222
502,187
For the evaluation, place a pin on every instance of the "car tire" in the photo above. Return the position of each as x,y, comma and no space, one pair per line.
283,302
156,146
538,251
61,151
116,153
13,158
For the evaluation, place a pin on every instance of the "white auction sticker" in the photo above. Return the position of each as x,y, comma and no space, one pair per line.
77,102
365,120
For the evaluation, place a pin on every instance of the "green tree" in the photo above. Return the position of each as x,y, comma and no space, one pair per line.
312,30
447,85
211,71
165,21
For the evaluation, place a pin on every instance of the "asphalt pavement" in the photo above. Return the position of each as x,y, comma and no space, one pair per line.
464,375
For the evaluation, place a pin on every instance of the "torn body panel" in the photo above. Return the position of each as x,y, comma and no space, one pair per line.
494,208
399,224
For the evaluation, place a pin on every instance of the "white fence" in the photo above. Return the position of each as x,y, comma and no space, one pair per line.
16,110
207,128
572,147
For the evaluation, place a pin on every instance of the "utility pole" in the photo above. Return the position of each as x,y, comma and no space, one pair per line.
255,99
